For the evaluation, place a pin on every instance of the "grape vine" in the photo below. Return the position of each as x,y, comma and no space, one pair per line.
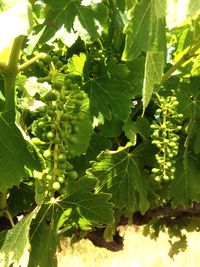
99,123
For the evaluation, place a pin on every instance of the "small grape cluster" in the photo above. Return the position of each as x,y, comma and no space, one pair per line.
56,129
165,138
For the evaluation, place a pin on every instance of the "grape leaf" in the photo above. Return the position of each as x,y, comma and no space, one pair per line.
121,174
16,246
112,128
20,199
76,63
86,204
136,75
146,29
43,255
97,144
140,126
185,187
16,155
65,12
117,71
110,97
153,73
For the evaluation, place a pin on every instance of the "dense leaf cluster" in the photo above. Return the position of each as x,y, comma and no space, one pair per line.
99,120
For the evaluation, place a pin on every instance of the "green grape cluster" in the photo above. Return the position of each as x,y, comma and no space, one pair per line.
56,129
165,138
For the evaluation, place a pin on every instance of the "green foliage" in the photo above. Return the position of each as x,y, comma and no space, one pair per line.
16,155
17,255
122,175
99,118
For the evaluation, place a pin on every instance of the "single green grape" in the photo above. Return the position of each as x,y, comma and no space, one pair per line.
56,186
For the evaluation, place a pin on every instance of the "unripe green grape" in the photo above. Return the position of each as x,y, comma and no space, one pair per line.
68,83
166,141
75,87
49,177
173,170
61,179
59,64
153,126
180,116
172,144
40,64
64,117
57,85
157,178
41,124
56,186
50,96
179,127
173,98
62,157
47,58
175,103
50,135
62,165
168,164
51,113
73,175
63,98
166,177
55,59
155,170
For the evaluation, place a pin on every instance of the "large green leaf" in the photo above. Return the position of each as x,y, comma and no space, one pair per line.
185,187
146,28
83,203
121,174
153,73
16,246
16,155
43,246
65,12
109,97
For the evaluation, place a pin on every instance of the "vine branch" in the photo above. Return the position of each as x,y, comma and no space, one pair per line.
188,55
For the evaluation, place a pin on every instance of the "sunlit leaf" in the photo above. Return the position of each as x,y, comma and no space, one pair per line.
153,73
16,246
146,28
110,97
121,174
